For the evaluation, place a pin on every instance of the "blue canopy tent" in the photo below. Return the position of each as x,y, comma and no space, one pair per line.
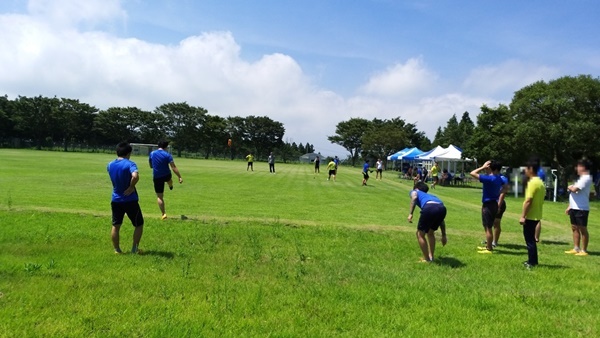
395,156
411,155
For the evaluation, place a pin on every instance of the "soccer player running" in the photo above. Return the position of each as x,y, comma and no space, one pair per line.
124,176
379,167
579,208
331,169
501,210
492,186
317,165
250,159
159,161
433,213
532,210
365,173
435,171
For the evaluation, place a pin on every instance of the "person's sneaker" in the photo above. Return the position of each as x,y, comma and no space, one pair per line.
581,253
482,248
486,251
137,252
423,260
572,252
118,252
163,217
494,245
170,187
528,266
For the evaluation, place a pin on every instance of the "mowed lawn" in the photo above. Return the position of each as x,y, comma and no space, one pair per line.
257,254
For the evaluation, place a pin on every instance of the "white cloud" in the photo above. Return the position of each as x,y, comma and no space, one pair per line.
401,80
69,12
507,77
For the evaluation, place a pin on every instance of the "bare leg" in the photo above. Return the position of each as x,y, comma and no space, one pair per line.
538,230
431,239
114,235
170,183
576,236
497,230
161,202
423,244
489,236
585,238
137,236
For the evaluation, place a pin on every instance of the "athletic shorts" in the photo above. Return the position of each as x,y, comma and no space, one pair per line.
331,172
432,216
436,179
380,170
501,210
250,164
132,209
579,217
489,210
366,175
159,183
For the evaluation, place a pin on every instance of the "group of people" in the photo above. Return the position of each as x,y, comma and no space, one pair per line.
124,176
495,187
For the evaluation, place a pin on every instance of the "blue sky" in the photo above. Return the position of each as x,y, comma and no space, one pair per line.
308,64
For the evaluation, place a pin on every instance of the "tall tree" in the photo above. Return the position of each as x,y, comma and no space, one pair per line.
349,134
264,134
183,124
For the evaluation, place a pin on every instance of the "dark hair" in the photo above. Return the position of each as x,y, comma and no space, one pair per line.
584,162
123,149
495,165
421,186
163,144
534,163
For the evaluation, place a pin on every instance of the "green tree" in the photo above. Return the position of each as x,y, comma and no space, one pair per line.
117,124
493,137
213,134
37,118
349,134
264,134
75,121
183,124
384,137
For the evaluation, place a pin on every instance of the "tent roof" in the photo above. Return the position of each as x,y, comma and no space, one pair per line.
452,153
429,155
395,156
411,154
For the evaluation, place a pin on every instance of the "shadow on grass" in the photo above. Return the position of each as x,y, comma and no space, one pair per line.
505,252
594,253
552,266
511,246
449,261
554,242
164,254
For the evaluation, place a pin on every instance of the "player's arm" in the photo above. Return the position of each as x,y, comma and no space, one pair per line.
413,203
134,180
443,229
503,193
526,207
150,162
475,173
575,188
176,171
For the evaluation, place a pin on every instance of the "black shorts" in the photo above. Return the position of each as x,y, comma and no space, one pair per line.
332,172
501,210
250,164
132,209
436,179
579,217
380,170
489,210
366,175
159,183
432,216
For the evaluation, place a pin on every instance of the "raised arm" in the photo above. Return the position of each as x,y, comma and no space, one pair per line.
475,173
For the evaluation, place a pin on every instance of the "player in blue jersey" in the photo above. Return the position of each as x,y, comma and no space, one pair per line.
160,161
124,176
365,172
501,210
433,213
492,187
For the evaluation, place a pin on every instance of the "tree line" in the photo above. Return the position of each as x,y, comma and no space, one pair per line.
47,121
556,120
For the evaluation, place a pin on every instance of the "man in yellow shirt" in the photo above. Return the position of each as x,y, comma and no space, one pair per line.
435,171
331,169
532,210
250,159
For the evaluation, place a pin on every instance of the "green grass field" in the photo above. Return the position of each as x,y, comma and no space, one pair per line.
279,255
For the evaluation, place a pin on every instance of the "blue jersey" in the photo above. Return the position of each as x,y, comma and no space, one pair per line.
120,171
492,185
423,198
365,167
542,174
160,159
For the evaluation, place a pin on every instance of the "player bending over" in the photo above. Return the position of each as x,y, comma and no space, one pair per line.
433,213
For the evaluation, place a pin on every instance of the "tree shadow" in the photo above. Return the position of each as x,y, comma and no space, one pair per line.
164,254
553,242
505,252
449,261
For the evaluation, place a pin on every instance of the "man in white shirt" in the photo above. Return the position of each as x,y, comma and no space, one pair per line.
579,208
